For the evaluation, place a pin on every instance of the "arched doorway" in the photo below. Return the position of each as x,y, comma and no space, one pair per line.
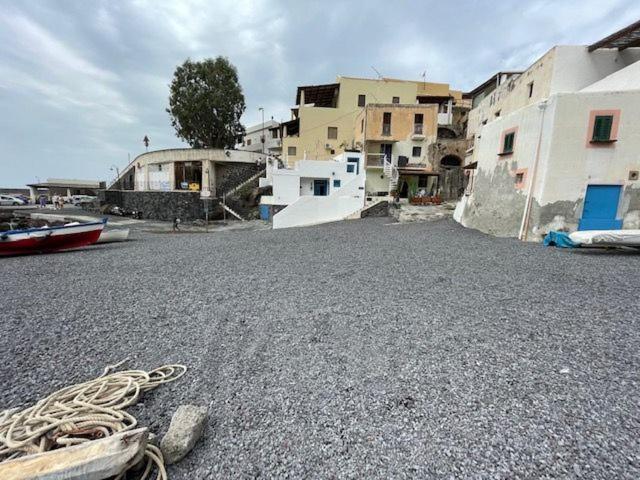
450,161
452,177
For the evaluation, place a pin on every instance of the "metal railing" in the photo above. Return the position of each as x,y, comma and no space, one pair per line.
418,128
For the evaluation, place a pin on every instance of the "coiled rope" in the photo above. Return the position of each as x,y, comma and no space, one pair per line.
84,412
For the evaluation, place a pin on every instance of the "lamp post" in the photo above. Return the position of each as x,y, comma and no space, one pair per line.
114,167
262,139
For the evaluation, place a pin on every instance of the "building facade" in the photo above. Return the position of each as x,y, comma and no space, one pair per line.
314,192
254,136
324,117
398,120
556,146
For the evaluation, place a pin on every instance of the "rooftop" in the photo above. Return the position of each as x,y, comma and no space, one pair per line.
626,38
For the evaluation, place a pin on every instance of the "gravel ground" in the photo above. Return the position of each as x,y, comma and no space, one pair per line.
357,349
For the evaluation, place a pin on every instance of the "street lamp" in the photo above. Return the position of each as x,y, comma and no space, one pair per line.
262,139
114,167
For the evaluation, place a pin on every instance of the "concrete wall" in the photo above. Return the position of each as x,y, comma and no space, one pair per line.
496,204
514,93
576,68
567,164
311,210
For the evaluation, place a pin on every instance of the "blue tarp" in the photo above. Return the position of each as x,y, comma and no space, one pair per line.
559,239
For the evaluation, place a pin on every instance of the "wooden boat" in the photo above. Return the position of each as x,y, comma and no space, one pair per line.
114,235
50,239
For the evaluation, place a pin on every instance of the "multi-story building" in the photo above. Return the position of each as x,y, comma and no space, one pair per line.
556,146
329,119
269,132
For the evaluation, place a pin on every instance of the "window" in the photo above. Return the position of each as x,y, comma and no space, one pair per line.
519,178
416,152
332,133
291,151
248,142
336,184
530,85
497,114
362,100
507,146
351,168
395,100
160,167
423,181
274,133
418,120
602,128
386,123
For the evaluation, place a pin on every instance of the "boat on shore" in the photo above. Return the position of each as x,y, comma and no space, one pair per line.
50,239
114,235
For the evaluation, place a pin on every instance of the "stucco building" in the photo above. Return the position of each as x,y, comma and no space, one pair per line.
556,146
253,137
399,120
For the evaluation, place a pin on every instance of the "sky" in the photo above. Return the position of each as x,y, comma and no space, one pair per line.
83,81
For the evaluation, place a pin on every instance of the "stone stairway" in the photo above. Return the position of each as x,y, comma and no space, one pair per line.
232,212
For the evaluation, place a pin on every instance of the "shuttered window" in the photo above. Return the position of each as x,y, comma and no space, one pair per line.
508,142
602,128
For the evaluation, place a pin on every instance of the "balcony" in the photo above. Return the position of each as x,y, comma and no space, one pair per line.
375,160
418,132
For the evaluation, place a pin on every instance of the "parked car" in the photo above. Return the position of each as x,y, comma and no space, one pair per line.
78,199
11,200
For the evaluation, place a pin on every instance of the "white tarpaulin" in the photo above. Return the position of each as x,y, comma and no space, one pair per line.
607,237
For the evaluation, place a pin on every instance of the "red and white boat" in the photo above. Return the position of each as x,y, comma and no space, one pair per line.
50,239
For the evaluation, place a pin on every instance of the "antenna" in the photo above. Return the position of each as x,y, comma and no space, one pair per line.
377,72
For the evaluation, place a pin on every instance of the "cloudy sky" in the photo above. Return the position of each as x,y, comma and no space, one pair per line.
83,81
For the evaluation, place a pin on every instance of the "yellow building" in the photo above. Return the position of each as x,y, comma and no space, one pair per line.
324,115
329,119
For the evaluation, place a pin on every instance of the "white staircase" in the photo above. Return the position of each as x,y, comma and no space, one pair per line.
391,172
232,212
246,182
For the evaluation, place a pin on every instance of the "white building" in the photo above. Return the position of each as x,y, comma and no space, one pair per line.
558,145
314,191
252,140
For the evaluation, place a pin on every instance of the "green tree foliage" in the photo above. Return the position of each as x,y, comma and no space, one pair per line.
206,103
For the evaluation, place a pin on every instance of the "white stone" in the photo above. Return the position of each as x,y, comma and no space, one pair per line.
187,426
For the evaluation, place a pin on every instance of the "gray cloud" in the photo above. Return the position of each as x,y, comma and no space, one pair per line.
81,82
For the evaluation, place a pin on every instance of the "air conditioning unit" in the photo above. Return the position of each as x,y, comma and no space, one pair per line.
327,146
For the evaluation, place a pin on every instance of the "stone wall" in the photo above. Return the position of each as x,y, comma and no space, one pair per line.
163,206
230,175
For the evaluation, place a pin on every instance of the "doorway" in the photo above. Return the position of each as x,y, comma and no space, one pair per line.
321,188
600,208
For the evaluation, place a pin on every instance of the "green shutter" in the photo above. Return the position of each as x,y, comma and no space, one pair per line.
508,142
602,128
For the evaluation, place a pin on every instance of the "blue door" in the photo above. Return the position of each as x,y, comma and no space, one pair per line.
321,187
601,208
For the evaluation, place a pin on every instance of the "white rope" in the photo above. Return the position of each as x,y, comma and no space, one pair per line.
84,412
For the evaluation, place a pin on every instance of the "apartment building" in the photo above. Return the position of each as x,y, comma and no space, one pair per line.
556,146
329,119
267,133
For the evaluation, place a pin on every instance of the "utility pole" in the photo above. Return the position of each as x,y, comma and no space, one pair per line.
262,139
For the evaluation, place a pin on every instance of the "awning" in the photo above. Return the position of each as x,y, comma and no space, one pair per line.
416,171
626,38
320,95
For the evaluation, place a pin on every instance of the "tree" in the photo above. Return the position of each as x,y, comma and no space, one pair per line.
206,103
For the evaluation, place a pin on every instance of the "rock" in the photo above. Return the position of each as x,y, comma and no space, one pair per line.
186,427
